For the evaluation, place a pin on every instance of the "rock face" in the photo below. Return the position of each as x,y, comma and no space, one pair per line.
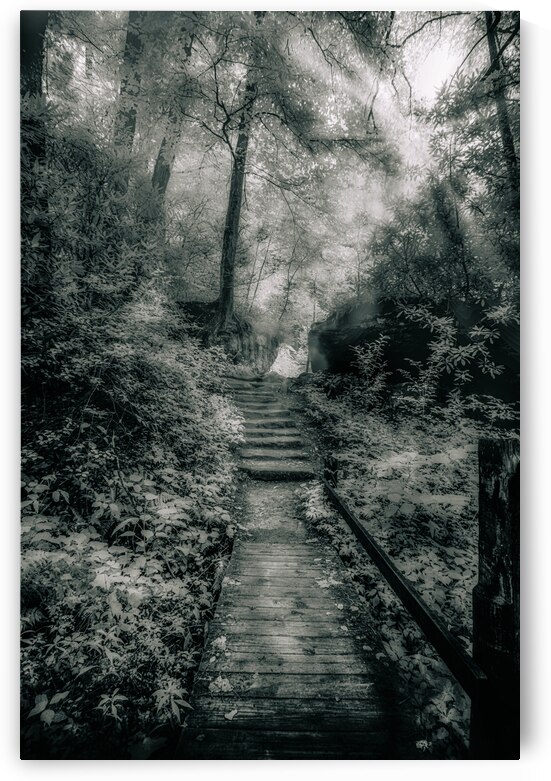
331,343
252,351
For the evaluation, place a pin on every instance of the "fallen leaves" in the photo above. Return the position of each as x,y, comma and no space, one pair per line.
220,685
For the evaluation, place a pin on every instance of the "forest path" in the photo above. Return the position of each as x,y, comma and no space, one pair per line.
289,670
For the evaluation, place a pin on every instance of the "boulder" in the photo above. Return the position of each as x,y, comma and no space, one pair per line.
331,343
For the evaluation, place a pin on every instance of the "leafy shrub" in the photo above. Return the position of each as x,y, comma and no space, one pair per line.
452,361
370,390
412,481
127,472
128,485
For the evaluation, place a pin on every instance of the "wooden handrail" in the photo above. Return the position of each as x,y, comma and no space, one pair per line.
471,677
492,685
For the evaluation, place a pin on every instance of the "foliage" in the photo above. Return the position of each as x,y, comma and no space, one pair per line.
412,482
441,708
127,492
127,475
370,389
454,357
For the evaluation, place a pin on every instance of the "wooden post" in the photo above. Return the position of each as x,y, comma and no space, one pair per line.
330,470
495,718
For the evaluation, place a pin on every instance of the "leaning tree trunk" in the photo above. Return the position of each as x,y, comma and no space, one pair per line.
165,157
498,93
167,151
125,119
153,210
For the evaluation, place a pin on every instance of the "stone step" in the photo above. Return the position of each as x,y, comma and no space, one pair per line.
264,402
247,388
269,412
272,453
264,469
252,424
257,396
271,440
231,378
261,391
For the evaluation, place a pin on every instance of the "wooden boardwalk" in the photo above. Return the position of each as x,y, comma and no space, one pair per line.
290,669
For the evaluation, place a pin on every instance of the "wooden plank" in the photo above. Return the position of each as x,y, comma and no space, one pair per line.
312,571
278,644
288,685
231,599
281,714
383,741
304,554
269,586
307,553
247,628
256,548
262,579
241,661
312,561
280,591
279,552
239,612
302,576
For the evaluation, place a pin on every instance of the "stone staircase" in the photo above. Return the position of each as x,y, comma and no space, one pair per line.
274,448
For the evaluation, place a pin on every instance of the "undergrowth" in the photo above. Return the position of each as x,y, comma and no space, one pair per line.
440,705
128,484
410,474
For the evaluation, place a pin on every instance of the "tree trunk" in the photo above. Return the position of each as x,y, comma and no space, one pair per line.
154,210
36,282
498,92
259,278
165,159
233,214
496,599
32,31
125,120
167,150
